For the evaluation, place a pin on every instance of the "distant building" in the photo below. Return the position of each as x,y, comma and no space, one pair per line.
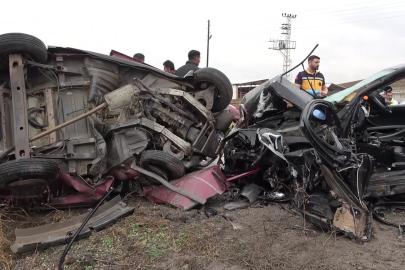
398,88
241,88
349,84
334,88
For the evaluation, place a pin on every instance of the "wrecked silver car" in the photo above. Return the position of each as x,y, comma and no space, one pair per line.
75,123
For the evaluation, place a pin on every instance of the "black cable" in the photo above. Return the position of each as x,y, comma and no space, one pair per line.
301,63
326,151
388,136
380,218
65,252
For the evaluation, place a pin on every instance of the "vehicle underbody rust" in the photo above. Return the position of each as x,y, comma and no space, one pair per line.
83,123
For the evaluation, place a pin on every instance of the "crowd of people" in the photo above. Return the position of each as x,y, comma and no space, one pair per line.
168,66
311,79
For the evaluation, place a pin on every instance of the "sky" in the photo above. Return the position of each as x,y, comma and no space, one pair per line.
356,38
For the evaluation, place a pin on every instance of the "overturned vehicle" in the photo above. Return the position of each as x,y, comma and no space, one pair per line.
76,123
338,159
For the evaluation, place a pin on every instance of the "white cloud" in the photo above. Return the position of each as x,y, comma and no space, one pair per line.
241,30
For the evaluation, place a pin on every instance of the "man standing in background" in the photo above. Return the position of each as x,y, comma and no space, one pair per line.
191,64
311,79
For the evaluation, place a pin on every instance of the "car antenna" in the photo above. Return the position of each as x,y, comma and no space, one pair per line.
302,64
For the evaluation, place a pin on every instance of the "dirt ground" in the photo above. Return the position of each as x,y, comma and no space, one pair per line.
161,237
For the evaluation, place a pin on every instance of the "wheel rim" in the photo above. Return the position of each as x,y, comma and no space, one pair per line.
156,170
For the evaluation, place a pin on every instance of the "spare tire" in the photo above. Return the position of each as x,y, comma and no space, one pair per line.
11,43
28,168
220,81
173,166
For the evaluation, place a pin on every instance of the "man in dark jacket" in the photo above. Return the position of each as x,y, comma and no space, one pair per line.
191,64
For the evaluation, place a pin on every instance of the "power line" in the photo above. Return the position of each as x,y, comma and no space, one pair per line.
352,22
318,26
401,2
382,13
208,41
357,12
284,46
340,5
363,9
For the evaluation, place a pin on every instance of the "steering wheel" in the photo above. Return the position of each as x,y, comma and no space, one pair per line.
376,99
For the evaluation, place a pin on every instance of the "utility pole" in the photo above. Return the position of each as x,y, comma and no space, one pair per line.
285,45
208,41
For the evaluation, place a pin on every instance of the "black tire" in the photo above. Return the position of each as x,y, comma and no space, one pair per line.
221,82
21,43
28,168
172,165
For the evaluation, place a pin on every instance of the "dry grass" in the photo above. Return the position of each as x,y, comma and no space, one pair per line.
12,217
161,237
6,260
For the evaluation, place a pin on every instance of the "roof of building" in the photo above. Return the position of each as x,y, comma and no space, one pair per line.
334,87
349,84
252,82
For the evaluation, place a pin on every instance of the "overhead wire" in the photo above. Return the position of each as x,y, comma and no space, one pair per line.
352,4
316,26
343,15
363,9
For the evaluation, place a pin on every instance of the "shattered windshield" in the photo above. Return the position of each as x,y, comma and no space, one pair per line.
338,97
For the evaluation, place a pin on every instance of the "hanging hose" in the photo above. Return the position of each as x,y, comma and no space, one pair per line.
388,136
62,258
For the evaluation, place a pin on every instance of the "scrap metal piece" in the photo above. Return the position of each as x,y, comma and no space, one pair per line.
207,96
236,205
350,221
121,97
4,113
251,192
288,91
189,99
204,184
264,101
338,186
385,184
272,140
145,122
43,237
